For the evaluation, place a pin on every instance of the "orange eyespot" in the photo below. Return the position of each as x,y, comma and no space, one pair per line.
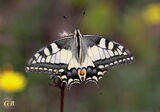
82,72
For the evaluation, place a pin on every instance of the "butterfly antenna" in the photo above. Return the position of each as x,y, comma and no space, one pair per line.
83,14
65,18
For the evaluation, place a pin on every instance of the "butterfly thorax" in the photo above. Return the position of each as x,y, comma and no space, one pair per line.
79,47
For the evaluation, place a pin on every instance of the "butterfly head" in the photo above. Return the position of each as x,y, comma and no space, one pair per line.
77,33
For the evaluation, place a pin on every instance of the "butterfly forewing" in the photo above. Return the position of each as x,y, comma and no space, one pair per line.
105,53
52,58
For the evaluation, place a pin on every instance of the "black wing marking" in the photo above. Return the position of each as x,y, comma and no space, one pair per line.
105,53
52,58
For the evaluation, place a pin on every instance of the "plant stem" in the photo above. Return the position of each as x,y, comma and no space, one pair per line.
62,98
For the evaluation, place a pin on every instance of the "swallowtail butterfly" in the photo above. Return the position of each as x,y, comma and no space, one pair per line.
79,58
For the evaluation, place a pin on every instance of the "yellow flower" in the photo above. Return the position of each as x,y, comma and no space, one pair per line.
151,13
11,81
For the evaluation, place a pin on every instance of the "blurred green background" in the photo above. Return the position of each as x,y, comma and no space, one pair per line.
28,25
